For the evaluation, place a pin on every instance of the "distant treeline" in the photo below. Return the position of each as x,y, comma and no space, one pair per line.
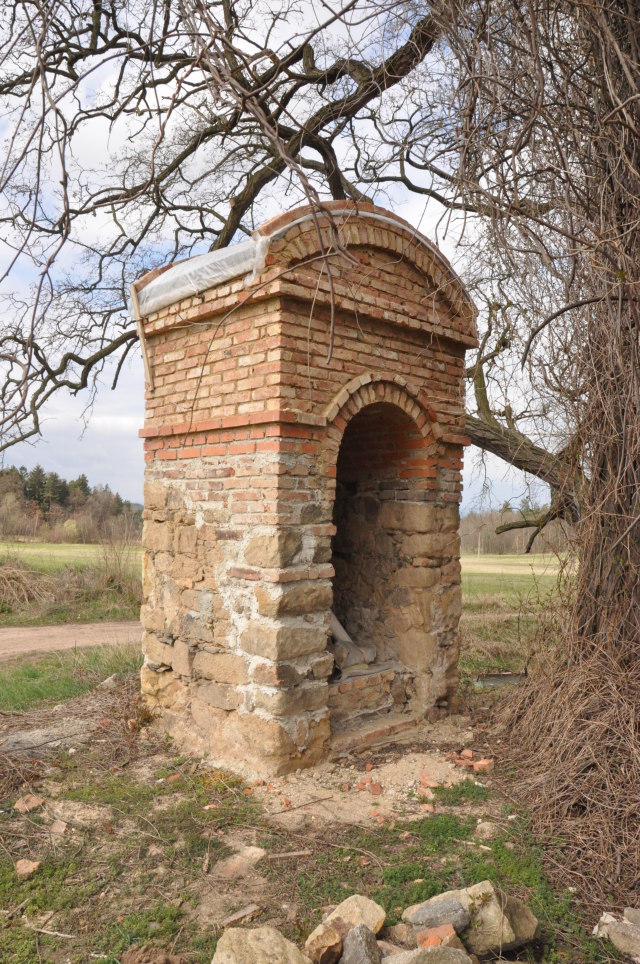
478,532
35,504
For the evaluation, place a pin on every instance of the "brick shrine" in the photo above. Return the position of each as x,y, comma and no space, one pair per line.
291,486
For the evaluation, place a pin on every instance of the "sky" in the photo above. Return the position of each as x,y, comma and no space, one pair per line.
104,445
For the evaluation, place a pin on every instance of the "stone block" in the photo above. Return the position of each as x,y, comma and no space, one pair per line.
223,696
182,658
148,575
152,619
268,673
282,701
281,642
220,667
185,540
299,599
322,666
155,495
157,536
251,744
408,516
184,570
156,652
416,577
163,690
273,549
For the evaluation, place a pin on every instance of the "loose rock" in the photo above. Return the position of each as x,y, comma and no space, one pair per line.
403,934
351,912
27,868
498,922
28,803
263,945
361,947
325,947
632,914
624,935
432,955
443,909
241,916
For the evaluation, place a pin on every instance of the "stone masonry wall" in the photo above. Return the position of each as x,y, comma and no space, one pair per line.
243,429
395,551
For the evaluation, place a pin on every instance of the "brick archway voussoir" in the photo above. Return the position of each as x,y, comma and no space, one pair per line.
369,388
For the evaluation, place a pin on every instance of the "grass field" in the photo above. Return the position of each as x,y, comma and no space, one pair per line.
501,600
52,557
45,584
61,676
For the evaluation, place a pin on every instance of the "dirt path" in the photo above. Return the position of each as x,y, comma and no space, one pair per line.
20,641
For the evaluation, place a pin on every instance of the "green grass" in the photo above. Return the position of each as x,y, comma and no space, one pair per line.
501,600
60,676
506,580
52,557
76,583
464,792
92,605
102,883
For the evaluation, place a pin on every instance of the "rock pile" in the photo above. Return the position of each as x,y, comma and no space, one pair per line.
457,927
624,934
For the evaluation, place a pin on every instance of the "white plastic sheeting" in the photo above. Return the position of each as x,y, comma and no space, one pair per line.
204,271
200,273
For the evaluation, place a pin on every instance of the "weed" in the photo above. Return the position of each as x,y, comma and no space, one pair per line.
467,791
60,676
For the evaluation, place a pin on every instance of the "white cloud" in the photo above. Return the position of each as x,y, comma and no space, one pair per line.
103,443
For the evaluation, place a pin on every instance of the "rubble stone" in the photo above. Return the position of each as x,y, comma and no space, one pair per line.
361,947
624,935
350,913
442,909
27,868
325,947
260,945
432,955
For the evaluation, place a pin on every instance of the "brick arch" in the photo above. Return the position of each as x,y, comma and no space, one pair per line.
369,389
294,237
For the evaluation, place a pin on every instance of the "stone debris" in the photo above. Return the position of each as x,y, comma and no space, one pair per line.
262,945
442,936
433,955
402,934
443,909
240,864
28,803
624,934
389,950
241,916
361,947
351,912
325,947
27,868
472,761
478,920
498,922
58,828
